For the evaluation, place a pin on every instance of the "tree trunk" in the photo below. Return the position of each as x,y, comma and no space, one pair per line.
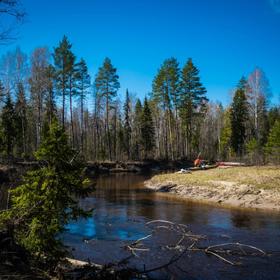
71,114
107,127
82,123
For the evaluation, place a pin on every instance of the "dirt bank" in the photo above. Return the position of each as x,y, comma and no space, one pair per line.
101,167
249,187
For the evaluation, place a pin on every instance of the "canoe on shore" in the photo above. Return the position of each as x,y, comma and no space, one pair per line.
203,168
222,163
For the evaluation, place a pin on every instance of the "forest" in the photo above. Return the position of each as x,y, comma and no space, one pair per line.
174,121
60,120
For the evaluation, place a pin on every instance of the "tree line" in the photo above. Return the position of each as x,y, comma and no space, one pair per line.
176,120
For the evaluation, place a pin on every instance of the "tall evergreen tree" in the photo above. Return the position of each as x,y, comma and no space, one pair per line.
107,85
273,115
136,138
72,92
272,147
127,124
83,85
192,102
8,126
147,129
63,61
239,117
166,94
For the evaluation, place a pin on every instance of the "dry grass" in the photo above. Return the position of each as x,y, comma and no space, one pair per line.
265,177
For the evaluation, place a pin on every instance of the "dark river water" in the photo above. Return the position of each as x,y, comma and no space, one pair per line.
122,207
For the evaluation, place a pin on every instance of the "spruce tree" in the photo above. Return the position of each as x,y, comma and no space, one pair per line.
273,115
107,85
192,103
147,129
127,124
46,200
8,126
272,147
239,117
137,129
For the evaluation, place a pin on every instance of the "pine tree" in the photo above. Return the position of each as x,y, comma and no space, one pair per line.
147,129
137,130
83,84
272,147
72,93
107,85
8,126
64,63
166,94
127,124
45,202
239,117
192,103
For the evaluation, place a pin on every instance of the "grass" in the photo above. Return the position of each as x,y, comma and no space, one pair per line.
264,177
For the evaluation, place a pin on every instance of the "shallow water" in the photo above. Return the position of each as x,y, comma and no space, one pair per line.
122,206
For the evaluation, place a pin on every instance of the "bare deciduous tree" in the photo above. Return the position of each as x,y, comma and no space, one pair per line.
11,15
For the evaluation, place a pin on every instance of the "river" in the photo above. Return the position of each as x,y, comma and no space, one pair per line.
122,207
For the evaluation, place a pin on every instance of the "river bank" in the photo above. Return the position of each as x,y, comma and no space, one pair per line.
106,167
247,187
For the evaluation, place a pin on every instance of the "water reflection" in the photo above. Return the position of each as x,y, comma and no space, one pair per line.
122,205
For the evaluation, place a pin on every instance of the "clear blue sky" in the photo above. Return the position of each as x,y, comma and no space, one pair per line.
225,38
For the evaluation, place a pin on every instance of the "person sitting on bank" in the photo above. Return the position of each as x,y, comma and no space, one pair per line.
199,162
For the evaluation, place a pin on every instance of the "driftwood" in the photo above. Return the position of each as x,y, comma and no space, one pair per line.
188,242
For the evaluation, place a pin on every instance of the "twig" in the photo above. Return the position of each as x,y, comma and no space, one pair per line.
140,239
236,244
218,256
159,221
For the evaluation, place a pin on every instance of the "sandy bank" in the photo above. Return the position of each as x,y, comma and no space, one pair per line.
248,187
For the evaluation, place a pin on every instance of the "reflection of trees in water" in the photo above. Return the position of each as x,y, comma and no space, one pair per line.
127,190
248,220
241,220
124,195
193,213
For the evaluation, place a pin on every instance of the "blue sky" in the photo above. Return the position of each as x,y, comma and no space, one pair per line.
226,39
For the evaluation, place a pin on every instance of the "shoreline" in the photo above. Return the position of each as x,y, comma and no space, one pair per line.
217,192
